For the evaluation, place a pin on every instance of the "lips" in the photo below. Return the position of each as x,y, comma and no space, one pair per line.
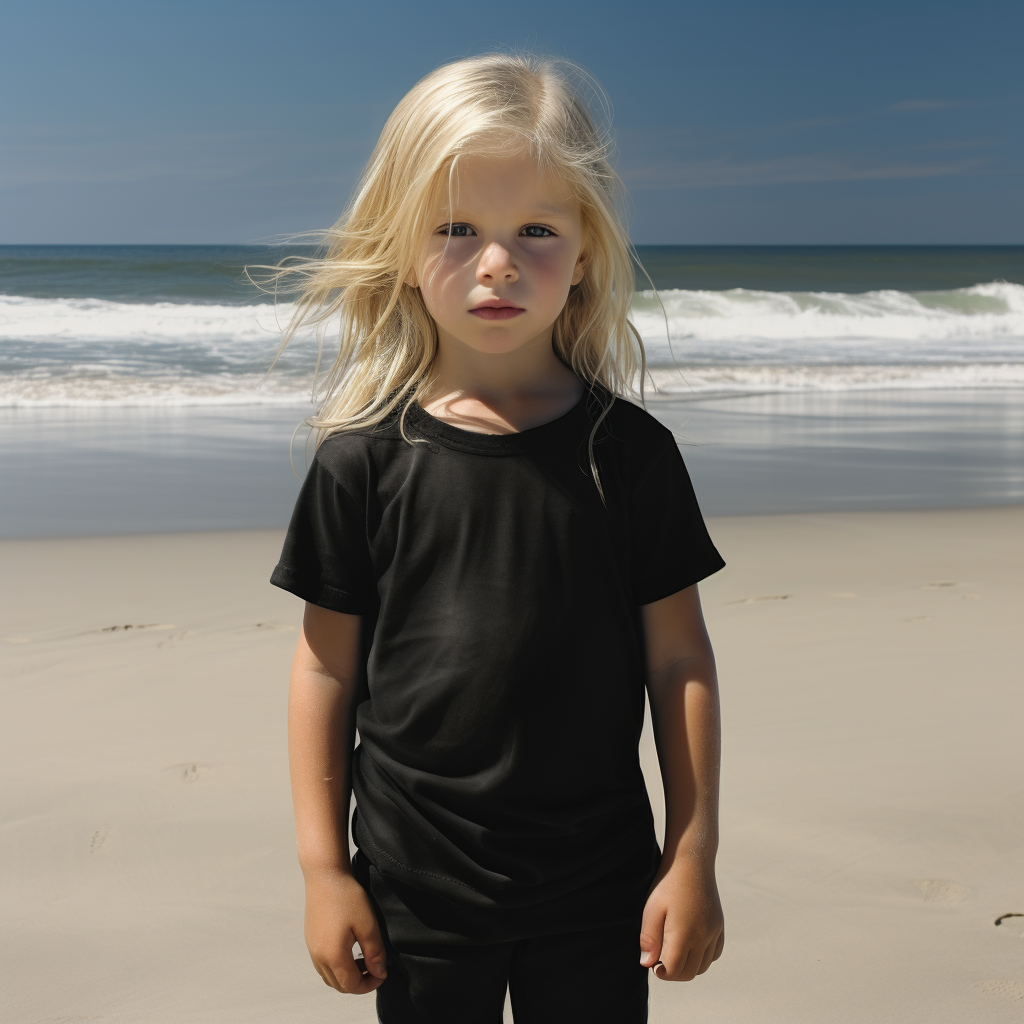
496,311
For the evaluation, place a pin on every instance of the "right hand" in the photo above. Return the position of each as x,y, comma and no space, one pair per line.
339,914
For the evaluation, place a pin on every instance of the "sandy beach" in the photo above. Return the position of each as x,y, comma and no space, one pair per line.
872,809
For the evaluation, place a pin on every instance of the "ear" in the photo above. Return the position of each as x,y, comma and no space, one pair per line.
411,279
579,269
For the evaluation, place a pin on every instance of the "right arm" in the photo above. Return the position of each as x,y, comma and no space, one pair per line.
321,731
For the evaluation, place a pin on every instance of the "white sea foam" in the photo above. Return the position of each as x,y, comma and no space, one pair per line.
697,380
982,323
125,390
81,322
94,351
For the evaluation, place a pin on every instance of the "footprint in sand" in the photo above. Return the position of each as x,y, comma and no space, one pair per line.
919,618
130,626
939,890
939,583
48,636
1003,989
188,771
761,597
273,625
175,638
102,840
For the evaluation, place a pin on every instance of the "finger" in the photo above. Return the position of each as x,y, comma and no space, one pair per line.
688,969
326,975
372,946
368,981
709,957
678,965
692,966
667,971
349,974
675,946
720,945
652,935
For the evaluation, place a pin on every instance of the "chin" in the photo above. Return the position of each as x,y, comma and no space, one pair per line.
496,348
496,340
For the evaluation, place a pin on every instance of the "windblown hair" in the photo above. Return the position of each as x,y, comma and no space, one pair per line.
486,105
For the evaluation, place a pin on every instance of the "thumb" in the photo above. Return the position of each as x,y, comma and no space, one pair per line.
372,948
652,933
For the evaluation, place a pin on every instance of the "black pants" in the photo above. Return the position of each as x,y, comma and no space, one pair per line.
593,976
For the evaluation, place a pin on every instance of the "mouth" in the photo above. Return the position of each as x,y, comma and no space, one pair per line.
497,311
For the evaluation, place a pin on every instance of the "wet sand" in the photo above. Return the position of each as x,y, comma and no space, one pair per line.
85,471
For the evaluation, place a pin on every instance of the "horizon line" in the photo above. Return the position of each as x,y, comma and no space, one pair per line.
638,245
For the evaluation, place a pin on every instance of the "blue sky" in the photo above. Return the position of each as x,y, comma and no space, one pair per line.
738,122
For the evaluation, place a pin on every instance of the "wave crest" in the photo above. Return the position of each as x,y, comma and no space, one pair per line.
88,351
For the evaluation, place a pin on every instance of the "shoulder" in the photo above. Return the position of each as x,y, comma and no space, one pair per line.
350,453
635,428
633,447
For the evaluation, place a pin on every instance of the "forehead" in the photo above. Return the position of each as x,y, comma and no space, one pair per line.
509,182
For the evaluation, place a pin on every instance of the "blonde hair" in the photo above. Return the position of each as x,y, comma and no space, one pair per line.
387,339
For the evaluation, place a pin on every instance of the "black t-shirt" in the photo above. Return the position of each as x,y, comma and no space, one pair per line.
497,777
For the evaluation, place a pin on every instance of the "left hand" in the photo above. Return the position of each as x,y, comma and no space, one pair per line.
683,929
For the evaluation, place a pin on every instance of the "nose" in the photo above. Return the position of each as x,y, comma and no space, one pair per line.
496,264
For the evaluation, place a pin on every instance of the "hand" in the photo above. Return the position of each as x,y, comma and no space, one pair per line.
683,929
338,914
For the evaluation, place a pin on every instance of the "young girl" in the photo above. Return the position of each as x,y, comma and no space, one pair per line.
497,554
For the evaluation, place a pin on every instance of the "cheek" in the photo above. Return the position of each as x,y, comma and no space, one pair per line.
441,278
443,285
552,268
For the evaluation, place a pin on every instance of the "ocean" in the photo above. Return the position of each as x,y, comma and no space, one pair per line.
134,394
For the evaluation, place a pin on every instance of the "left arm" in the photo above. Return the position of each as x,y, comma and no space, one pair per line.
683,927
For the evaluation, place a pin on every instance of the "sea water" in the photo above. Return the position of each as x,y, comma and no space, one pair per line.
139,388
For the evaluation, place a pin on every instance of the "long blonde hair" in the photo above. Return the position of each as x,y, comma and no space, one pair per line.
387,339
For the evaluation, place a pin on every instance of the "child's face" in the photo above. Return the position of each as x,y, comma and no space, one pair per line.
515,239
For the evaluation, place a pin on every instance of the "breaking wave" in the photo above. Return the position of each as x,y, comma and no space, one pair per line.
86,351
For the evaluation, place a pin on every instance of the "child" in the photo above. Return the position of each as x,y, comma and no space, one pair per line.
497,554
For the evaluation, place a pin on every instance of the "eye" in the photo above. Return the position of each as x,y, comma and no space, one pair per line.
456,230
537,231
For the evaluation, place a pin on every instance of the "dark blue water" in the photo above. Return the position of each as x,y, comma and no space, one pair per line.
215,273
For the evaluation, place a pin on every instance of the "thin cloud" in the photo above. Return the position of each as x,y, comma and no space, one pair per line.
56,174
951,145
57,155
922,106
723,173
51,156
699,134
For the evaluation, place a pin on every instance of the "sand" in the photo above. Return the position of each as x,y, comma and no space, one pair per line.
873,784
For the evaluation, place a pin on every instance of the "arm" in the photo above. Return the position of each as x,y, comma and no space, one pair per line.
320,736
683,926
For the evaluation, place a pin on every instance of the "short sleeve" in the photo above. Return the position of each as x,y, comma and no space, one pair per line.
325,559
671,547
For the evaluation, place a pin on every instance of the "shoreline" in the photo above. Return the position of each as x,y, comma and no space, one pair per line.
164,470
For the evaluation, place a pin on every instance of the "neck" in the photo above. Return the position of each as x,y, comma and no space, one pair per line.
499,392
532,369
